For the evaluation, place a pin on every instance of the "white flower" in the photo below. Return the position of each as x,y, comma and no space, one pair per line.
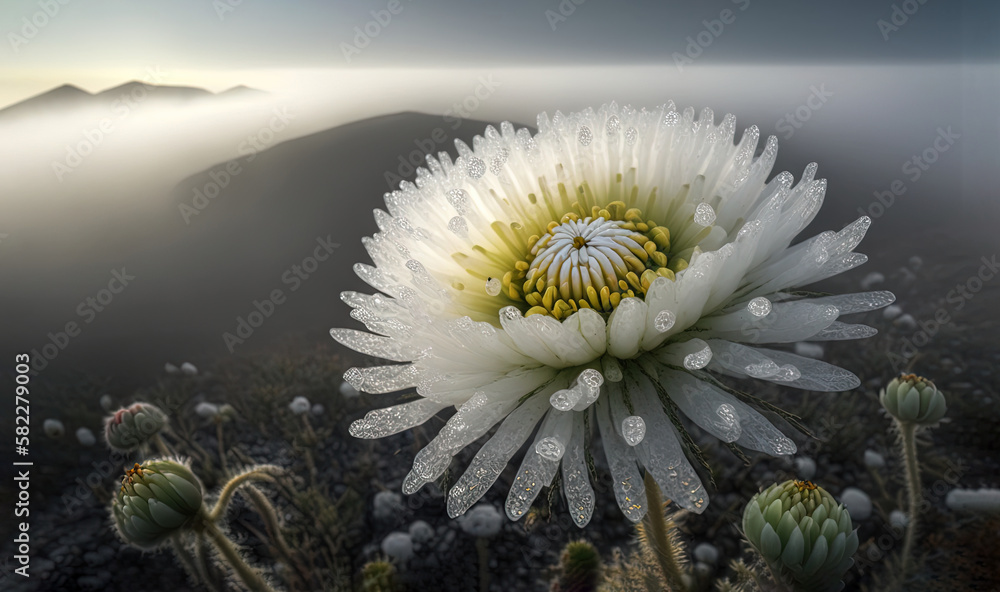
601,272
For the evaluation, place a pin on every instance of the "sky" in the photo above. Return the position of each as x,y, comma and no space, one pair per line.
217,44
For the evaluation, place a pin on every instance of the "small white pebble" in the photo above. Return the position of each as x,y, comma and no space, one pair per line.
387,505
317,409
53,428
482,521
106,403
805,468
170,368
874,460
916,262
871,280
421,532
347,391
906,322
892,312
974,500
857,503
706,553
299,405
85,437
189,368
398,545
809,350
898,519
206,410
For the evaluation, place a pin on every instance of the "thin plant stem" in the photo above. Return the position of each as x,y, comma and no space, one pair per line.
250,577
184,556
269,516
908,440
262,473
201,563
484,564
222,449
656,523
161,446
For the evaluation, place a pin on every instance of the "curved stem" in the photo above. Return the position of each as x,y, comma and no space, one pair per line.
250,577
908,439
656,522
269,516
261,473
184,556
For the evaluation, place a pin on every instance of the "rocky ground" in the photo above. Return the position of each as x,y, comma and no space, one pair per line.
340,501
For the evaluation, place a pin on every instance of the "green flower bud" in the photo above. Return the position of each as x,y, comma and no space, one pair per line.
131,427
913,399
156,499
803,533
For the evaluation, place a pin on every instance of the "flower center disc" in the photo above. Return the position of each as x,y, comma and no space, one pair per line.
591,262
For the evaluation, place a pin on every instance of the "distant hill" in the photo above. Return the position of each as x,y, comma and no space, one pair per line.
67,98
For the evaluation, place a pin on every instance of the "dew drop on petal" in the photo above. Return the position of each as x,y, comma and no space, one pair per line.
510,313
763,369
550,448
493,286
585,136
613,125
631,135
704,214
591,378
664,320
698,359
354,377
633,430
671,118
787,373
759,306
476,167
459,200
564,399
459,227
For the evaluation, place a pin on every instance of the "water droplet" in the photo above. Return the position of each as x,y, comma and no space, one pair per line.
564,399
459,199
510,313
355,378
496,165
476,167
633,430
591,378
759,306
459,226
664,320
704,214
550,448
698,359
763,369
671,118
585,136
631,135
787,373
493,286
613,125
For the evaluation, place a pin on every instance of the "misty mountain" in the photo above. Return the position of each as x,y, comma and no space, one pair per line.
66,99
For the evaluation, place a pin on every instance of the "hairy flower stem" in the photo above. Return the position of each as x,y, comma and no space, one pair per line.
184,556
248,575
203,565
656,524
161,446
908,440
269,516
261,473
